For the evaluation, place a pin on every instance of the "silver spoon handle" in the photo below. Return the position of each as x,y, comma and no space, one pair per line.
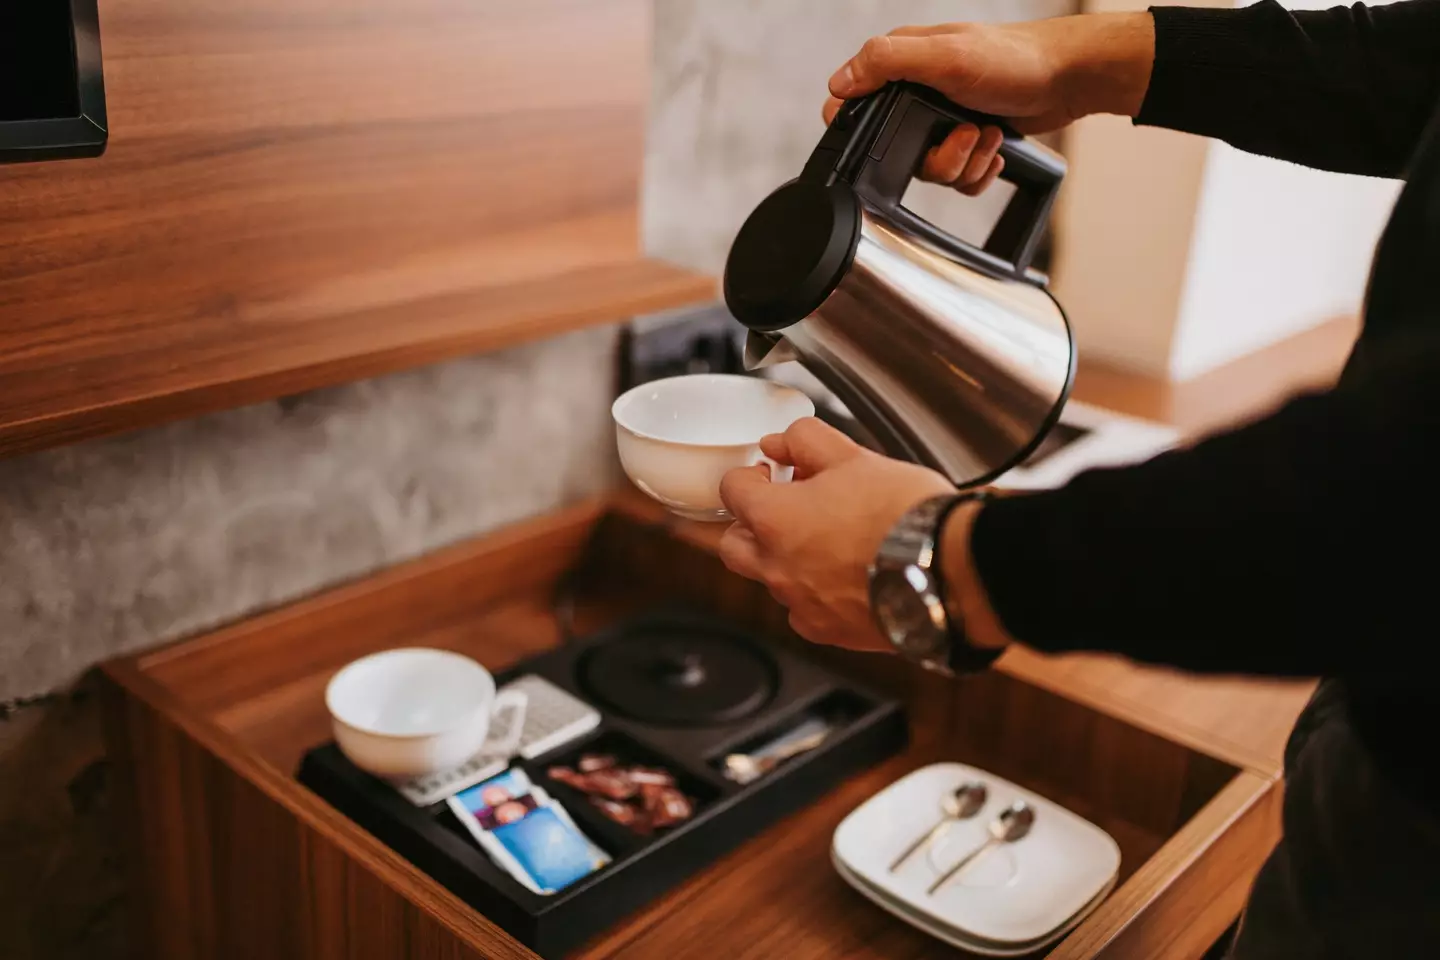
965,861
801,746
924,841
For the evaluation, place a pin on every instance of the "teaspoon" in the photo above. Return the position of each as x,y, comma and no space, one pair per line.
962,803
743,768
1013,824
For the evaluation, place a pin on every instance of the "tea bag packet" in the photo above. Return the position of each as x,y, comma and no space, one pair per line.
527,833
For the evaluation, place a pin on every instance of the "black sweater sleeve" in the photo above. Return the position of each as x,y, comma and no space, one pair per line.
1300,545
1347,89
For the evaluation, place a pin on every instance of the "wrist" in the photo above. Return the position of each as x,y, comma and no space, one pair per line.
965,596
1105,62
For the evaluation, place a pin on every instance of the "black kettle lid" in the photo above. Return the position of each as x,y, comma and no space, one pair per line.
795,247
791,253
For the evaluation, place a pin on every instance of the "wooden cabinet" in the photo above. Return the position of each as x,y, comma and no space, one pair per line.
235,859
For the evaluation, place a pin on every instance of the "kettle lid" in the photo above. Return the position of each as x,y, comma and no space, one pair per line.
791,253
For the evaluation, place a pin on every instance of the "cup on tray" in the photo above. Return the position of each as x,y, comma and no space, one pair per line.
409,712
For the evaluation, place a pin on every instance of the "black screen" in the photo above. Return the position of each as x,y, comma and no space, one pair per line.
37,61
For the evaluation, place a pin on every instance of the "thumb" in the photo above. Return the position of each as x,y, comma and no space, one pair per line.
810,446
882,59
747,494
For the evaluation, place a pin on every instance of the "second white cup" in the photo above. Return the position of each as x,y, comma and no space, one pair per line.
679,436
414,711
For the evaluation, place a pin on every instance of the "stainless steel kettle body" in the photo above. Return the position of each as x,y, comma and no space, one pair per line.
951,356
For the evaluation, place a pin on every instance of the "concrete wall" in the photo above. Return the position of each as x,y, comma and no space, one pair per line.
118,544
735,109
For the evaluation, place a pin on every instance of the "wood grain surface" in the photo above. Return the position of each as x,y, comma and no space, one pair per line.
298,194
232,861
1209,864
208,733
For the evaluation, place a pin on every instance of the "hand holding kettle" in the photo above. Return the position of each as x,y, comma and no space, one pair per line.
1039,76
833,271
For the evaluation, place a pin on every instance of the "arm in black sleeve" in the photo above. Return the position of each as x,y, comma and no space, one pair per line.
1348,89
1303,544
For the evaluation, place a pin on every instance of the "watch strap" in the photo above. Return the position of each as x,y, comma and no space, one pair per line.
962,656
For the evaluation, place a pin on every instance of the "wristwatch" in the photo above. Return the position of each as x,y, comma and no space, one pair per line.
907,591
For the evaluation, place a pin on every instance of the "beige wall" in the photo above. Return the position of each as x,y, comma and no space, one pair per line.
1176,254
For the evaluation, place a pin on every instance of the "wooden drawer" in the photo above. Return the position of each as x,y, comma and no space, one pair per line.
235,859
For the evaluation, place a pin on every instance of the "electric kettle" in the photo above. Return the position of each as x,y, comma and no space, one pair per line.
950,355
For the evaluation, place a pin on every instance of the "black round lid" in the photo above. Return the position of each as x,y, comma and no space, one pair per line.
791,253
678,676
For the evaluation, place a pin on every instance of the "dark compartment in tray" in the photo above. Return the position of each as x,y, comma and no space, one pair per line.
644,867
616,837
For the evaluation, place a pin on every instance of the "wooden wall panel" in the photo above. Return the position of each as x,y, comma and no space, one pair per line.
300,192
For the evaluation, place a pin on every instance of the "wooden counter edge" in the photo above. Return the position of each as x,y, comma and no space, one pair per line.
205,771
1185,896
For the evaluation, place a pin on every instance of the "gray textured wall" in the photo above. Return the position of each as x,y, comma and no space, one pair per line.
735,108
112,545
117,544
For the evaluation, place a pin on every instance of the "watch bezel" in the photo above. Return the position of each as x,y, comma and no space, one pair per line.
907,553
892,586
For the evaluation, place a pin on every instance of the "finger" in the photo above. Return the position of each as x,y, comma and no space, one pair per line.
981,157
803,627
746,493
812,445
930,31
774,446
997,166
740,552
946,163
777,448
781,587
831,107
883,59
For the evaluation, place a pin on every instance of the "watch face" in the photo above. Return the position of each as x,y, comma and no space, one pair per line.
905,604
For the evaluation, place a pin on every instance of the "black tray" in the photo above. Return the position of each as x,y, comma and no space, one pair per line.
643,868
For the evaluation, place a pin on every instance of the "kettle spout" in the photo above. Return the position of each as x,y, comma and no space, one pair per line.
766,350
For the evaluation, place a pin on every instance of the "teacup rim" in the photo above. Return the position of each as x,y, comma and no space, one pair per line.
732,377
338,717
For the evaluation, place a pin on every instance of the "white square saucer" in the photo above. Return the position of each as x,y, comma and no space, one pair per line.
1011,901
953,937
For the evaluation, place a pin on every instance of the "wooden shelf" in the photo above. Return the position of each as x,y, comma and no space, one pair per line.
322,192
61,386
236,859
1242,389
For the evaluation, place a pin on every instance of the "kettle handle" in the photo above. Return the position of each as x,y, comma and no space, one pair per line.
916,118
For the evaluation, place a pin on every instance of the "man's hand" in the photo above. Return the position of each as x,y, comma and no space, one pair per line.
1040,76
811,541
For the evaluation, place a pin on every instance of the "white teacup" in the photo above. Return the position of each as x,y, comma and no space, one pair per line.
415,711
679,436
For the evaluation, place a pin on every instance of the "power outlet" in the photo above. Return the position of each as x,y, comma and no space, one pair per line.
697,340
